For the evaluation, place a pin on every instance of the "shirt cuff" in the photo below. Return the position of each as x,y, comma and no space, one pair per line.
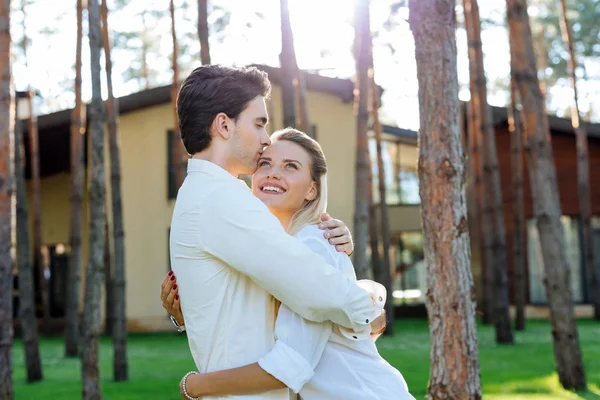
379,296
288,366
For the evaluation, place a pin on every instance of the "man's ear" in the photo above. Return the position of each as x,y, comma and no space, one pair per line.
312,193
223,126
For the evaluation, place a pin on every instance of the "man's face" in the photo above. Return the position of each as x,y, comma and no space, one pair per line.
250,136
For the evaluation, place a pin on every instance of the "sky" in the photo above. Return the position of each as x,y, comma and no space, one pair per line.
323,36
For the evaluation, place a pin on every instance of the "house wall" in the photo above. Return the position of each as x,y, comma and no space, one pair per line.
565,161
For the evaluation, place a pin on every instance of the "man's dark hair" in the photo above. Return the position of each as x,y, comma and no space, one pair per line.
210,90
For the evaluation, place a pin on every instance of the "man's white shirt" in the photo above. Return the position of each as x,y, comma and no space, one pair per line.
228,253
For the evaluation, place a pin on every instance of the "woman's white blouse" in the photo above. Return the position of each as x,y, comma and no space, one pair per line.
330,362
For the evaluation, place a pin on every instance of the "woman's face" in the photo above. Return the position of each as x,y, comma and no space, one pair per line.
282,180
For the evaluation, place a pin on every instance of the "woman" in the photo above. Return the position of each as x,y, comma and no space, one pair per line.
335,363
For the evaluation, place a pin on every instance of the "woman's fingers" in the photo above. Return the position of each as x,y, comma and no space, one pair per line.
168,302
167,285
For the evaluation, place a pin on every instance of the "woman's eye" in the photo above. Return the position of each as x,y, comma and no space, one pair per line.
263,164
293,166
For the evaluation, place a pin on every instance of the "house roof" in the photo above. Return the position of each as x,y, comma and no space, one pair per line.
54,128
557,124
342,88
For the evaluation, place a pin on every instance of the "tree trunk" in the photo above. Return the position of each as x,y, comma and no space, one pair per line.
546,203
516,144
479,201
119,329
95,267
203,31
76,200
27,308
542,57
450,294
363,163
6,207
29,323
287,59
304,120
374,239
583,167
109,284
293,87
178,154
493,212
38,259
386,277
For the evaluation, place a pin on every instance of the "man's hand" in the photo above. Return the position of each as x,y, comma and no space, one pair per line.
337,233
170,297
378,325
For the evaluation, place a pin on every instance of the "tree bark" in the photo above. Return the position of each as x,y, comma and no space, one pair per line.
119,329
304,120
519,260
374,234
109,284
493,210
386,277
287,59
542,57
27,308
486,256
6,201
450,294
203,31
178,154
374,239
583,167
546,203
76,209
363,163
38,259
29,323
95,267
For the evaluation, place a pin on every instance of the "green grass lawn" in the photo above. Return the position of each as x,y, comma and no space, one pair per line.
158,361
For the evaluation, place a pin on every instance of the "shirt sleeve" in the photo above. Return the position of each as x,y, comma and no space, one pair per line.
240,230
300,343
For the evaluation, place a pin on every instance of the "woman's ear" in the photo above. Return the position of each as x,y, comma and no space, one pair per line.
222,125
312,192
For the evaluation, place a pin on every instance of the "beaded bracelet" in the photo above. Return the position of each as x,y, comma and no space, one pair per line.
183,382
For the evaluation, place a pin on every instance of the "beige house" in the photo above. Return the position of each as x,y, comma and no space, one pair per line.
145,120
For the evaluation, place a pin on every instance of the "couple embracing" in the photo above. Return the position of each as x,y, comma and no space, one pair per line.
260,278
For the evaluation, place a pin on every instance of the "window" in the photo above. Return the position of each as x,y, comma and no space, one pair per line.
409,282
535,261
400,168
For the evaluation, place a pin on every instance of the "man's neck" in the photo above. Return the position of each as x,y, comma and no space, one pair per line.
216,158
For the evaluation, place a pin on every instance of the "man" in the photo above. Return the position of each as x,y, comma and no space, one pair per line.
230,254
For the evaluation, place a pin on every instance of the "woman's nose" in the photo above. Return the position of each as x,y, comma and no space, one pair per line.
274,173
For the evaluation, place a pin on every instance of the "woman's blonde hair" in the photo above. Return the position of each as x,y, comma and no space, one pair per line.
311,211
